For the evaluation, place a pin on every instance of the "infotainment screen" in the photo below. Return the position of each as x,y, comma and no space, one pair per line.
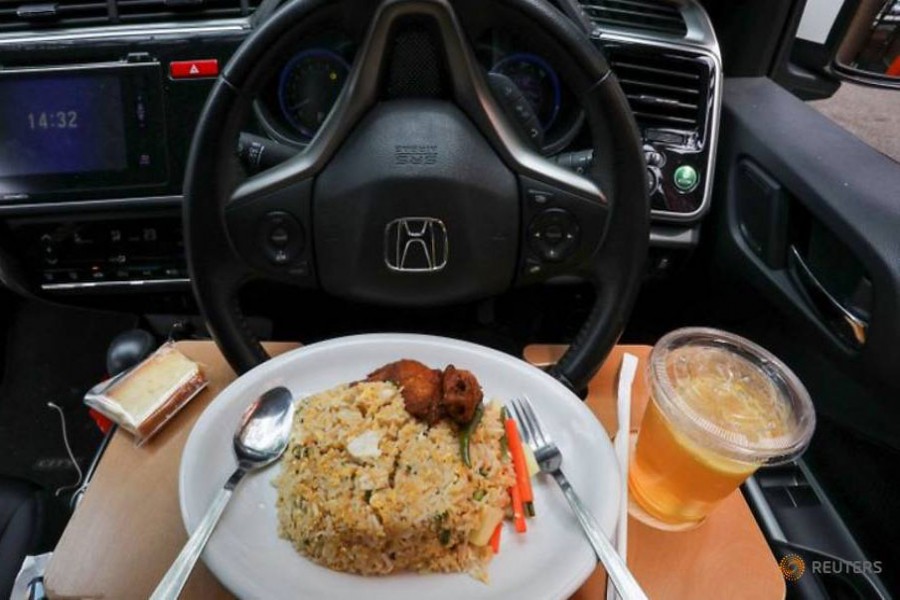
81,131
62,124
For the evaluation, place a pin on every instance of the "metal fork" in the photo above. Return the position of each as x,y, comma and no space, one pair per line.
549,459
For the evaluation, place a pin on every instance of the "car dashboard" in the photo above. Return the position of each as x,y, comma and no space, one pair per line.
100,103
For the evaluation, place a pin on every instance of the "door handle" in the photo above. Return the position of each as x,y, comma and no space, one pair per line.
847,324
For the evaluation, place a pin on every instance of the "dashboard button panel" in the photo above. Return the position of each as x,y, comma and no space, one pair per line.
93,254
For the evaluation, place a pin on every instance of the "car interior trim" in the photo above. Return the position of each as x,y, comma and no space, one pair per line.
830,306
764,513
79,206
144,30
674,237
83,285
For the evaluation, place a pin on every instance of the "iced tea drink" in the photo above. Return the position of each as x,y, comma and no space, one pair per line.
720,408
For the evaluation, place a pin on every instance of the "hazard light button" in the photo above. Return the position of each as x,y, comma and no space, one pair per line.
191,69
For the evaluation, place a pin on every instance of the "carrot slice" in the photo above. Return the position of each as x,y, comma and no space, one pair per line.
518,456
495,538
518,511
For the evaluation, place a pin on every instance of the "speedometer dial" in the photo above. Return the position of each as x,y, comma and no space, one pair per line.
537,81
309,86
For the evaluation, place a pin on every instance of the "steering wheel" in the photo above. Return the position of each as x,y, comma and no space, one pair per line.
419,189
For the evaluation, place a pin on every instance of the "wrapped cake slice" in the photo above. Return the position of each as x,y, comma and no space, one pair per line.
144,399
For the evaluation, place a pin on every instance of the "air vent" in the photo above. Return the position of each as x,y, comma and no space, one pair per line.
665,91
155,11
22,15
654,16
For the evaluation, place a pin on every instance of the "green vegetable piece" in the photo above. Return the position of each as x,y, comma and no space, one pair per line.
465,436
479,495
444,537
504,443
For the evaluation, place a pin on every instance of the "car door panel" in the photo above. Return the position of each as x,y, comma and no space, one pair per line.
810,216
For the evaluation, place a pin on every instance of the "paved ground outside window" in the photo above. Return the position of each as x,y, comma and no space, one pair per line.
871,114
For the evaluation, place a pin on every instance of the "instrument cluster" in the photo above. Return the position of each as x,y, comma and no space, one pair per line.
510,60
300,96
298,99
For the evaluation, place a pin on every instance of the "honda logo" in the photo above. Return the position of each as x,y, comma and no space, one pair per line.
415,244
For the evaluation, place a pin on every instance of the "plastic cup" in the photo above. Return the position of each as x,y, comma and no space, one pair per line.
720,407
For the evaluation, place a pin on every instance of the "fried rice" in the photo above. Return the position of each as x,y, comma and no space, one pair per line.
366,488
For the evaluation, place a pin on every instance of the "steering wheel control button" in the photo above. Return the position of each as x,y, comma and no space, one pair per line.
193,69
533,267
686,178
540,198
279,237
553,221
553,234
282,238
300,269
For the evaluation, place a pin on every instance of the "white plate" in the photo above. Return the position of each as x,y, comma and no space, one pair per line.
550,561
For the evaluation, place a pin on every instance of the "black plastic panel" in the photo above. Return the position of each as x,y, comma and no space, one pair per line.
762,213
844,185
798,519
100,250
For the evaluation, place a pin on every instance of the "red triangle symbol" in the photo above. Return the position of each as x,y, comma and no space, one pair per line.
194,70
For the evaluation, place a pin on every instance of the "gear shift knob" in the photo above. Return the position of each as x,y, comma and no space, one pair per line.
128,349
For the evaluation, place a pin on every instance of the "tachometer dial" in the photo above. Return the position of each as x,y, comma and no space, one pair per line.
309,86
537,81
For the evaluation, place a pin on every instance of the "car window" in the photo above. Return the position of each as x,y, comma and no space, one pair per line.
868,113
867,46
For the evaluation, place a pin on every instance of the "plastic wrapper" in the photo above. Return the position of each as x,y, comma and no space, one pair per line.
143,399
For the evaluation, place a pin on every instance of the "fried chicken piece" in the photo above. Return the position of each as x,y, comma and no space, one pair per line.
462,394
420,387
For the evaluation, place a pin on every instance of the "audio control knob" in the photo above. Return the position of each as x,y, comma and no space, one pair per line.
654,158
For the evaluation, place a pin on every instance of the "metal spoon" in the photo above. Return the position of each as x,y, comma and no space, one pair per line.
260,439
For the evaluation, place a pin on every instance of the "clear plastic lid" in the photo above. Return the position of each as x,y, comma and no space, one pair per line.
730,396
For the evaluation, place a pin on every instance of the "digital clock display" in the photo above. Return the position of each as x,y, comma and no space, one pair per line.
61,124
